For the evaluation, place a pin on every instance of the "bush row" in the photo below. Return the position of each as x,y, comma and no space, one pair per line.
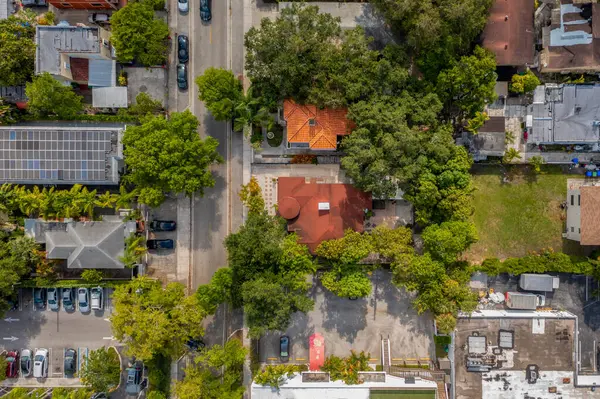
546,261
33,283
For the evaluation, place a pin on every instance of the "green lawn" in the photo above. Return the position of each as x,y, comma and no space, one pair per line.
520,216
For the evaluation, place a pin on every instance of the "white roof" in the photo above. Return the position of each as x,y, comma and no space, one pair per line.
294,388
109,97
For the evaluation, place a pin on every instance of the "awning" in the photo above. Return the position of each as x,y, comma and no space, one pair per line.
317,351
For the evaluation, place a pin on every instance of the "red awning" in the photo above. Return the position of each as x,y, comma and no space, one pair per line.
317,351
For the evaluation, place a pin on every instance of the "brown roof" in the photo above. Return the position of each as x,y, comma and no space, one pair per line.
317,127
590,215
298,202
510,39
79,69
496,124
578,57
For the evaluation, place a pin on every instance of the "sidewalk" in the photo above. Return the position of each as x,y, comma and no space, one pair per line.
184,240
45,383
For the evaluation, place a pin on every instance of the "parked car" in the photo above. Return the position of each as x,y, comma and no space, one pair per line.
134,379
205,14
67,299
96,294
25,363
12,364
195,344
39,298
284,348
160,244
13,302
183,49
163,225
182,76
70,362
83,297
53,301
40,363
99,18
183,6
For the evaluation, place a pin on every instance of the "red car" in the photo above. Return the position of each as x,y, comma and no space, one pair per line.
12,364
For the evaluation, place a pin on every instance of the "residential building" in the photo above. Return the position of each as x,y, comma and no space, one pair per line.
313,128
571,43
490,140
509,32
82,55
319,212
87,4
61,155
565,114
375,385
83,245
583,211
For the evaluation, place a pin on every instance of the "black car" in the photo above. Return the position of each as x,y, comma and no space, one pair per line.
195,344
284,348
183,49
70,362
182,76
160,244
163,225
205,14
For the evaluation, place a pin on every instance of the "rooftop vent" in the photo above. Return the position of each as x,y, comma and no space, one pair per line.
312,122
323,206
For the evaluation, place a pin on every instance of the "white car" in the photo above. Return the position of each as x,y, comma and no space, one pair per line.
40,363
83,297
96,294
183,5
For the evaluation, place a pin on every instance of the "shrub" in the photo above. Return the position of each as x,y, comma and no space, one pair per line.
304,159
92,276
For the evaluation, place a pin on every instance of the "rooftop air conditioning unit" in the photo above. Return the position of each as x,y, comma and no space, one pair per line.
323,206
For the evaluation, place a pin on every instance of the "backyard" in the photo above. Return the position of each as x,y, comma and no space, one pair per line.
519,216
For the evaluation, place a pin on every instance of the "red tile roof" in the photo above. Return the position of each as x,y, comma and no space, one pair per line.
299,203
509,32
328,124
590,215
79,69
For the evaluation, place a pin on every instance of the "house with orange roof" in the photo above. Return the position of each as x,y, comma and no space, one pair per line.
313,128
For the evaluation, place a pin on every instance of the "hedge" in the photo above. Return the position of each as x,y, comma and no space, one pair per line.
73,283
546,261
83,117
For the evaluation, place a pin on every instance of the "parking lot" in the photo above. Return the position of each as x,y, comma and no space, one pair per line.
29,327
359,325
162,263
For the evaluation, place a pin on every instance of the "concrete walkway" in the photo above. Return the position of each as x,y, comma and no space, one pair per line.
184,240
42,383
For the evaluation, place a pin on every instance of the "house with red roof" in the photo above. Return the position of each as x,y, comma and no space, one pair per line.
318,211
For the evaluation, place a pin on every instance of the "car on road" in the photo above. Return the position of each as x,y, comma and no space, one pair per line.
12,364
96,294
83,297
284,348
53,301
134,379
205,13
183,49
67,299
25,363
70,362
183,6
182,76
160,244
40,363
39,298
163,225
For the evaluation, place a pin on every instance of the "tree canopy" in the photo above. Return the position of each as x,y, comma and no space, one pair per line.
524,83
152,320
18,257
448,240
167,155
47,96
101,370
220,91
17,51
138,36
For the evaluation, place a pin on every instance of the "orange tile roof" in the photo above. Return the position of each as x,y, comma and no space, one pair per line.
590,215
328,124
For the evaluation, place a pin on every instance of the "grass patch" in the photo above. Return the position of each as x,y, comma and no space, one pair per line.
520,216
441,341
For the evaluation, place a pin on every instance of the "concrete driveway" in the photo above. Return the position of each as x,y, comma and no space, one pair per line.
359,325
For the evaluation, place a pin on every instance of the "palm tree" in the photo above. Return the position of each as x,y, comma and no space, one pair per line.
88,201
106,200
510,155
124,198
30,201
7,198
48,206
135,248
250,112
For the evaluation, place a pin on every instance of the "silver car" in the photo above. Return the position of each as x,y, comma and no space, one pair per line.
67,299
96,294
26,363
53,301
40,363
183,5
83,297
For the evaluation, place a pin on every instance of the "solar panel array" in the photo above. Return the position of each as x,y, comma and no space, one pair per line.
54,155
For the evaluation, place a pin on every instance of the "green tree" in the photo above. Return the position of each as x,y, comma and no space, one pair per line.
3,366
92,276
144,105
475,123
446,241
536,163
7,113
524,83
102,370
156,395
445,323
138,36
17,51
346,369
251,196
511,155
218,291
220,91
468,85
216,374
391,243
47,96
167,155
275,375
151,320
135,248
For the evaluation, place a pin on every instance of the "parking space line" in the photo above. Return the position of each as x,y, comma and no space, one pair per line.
300,358
20,299
373,360
271,358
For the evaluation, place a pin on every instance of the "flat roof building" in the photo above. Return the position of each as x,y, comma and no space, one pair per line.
60,155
